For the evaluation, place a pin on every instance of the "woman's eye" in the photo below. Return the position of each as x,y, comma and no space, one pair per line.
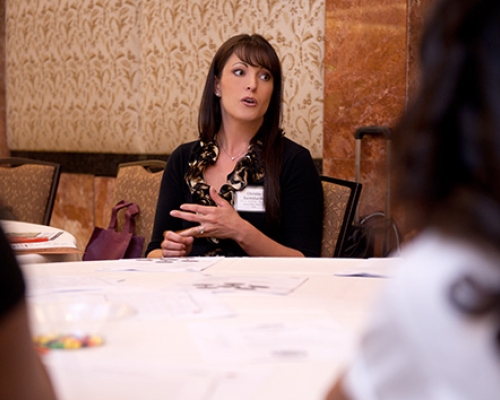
238,72
266,76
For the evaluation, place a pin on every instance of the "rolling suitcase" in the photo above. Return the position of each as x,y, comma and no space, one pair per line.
375,234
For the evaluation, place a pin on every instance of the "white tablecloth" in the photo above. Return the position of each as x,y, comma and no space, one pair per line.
271,346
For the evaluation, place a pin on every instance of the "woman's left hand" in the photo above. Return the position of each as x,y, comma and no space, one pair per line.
221,221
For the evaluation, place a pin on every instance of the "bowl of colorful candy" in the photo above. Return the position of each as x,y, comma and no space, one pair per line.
74,325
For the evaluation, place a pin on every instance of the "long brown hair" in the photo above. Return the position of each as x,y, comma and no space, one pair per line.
256,51
447,144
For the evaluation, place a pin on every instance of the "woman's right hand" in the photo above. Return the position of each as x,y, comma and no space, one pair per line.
175,244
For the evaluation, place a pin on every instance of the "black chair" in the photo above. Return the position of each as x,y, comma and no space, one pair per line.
340,201
28,189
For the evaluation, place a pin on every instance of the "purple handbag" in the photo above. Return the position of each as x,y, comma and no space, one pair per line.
108,244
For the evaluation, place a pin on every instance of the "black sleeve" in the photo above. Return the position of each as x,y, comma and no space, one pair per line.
302,202
173,193
11,279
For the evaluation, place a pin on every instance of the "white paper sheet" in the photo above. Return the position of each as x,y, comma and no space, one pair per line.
373,268
195,264
248,284
148,304
43,245
59,284
171,303
307,340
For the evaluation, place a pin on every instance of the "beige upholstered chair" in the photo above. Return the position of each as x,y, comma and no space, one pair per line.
139,182
28,189
340,199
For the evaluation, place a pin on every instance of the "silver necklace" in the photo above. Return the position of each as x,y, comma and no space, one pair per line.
236,156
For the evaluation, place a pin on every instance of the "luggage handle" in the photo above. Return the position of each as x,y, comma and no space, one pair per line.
373,130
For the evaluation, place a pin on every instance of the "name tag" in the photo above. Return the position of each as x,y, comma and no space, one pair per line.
250,199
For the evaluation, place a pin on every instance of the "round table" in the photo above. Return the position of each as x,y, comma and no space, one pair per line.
42,256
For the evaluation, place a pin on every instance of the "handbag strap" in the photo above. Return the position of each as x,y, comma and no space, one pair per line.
130,214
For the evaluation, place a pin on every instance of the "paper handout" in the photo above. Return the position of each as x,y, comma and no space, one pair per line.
270,285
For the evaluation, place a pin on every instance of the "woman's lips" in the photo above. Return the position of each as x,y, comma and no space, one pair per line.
249,101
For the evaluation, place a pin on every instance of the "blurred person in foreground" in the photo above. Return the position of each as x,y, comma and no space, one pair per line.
22,375
242,188
436,332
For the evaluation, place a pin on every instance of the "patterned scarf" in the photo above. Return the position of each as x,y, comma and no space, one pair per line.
247,171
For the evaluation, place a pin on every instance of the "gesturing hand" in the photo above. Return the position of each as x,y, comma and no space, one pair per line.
175,244
220,221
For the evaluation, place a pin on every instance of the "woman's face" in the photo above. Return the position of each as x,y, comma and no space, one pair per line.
245,91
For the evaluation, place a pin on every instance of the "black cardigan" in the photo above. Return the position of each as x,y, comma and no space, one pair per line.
301,204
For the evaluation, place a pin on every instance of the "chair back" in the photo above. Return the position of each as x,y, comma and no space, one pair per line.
139,182
340,199
28,189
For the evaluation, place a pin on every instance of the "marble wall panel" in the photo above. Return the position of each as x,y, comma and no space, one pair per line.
82,202
103,199
365,78
74,207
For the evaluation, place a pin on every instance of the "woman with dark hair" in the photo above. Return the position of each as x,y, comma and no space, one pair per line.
436,332
242,189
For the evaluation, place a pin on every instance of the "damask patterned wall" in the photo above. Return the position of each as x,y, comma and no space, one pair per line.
125,76
4,150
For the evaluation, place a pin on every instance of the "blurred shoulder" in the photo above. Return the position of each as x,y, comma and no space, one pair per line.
434,261
435,253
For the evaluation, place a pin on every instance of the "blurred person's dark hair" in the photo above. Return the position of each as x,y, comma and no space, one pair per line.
447,143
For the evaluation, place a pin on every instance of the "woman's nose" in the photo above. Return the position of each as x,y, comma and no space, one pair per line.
252,83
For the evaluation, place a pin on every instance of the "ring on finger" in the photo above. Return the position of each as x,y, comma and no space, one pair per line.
201,229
